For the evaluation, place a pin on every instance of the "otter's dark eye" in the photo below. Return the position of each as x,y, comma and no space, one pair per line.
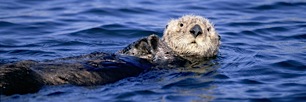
181,24
208,29
166,26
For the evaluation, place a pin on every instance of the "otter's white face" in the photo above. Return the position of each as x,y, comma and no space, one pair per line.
192,36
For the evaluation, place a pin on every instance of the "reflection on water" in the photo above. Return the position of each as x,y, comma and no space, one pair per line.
262,57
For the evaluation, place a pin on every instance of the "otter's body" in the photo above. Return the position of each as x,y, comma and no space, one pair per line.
92,69
185,40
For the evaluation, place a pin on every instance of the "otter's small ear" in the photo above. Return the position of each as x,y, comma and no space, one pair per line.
166,26
208,29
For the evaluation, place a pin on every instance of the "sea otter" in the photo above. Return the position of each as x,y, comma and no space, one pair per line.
185,40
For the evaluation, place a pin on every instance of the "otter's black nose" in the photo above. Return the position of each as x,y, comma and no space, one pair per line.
196,30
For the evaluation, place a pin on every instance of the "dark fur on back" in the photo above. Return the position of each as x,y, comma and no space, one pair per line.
92,69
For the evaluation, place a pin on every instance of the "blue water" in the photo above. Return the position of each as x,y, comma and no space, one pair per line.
262,57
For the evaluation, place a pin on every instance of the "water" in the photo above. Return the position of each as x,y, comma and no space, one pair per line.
262,57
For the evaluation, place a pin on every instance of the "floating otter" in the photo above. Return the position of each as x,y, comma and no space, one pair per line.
185,40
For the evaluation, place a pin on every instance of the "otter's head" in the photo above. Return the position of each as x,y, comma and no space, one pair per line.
192,36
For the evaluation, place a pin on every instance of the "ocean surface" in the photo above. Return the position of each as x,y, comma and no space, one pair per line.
262,57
